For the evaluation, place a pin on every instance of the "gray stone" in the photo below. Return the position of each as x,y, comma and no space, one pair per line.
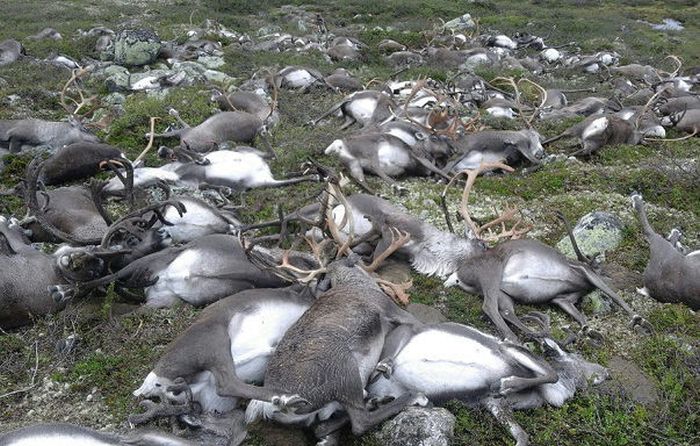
629,378
418,426
595,233
136,47
460,23
211,62
116,78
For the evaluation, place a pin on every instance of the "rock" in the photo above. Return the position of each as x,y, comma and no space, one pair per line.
10,51
114,99
461,23
117,78
136,47
418,426
148,80
426,313
267,30
211,62
595,233
46,33
629,378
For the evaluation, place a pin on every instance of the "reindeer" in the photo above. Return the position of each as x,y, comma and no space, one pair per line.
236,126
452,361
366,107
600,130
199,273
671,274
527,271
327,356
18,134
61,433
80,160
493,145
27,274
217,359
239,169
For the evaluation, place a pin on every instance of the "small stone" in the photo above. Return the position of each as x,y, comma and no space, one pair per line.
418,426
117,78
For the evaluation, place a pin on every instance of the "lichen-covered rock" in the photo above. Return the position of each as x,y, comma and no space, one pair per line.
10,51
460,23
418,426
595,233
116,78
136,47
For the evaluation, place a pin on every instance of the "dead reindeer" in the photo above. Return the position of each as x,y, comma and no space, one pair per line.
199,273
328,355
490,146
239,169
235,126
597,131
365,107
200,219
342,81
556,98
10,51
221,357
60,433
27,133
530,272
671,275
294,77
27,273
583,107
80,160
671,106
687,121
456,362
384,155
249,102
70,213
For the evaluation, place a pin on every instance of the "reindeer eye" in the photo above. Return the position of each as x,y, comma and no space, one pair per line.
158,385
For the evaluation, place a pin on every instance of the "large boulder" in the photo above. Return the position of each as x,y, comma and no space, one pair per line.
418,426
136,47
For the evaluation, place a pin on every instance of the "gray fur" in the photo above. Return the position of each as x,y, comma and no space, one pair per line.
670,276
486,372
529,272
207,346
327,356
17,134
495,145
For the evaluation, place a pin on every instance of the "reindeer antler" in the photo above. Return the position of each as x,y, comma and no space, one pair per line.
76,74
516,231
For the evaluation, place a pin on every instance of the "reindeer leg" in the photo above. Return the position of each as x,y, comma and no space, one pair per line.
390,181
15,240
507,310
504,415
568,304
394,342
490,307
362,420
599,283
543,373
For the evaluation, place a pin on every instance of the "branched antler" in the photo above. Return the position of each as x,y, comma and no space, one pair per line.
76,74
517,230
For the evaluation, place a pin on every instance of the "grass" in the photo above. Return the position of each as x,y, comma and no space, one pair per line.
115,352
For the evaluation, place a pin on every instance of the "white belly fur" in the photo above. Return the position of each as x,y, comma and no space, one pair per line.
392,160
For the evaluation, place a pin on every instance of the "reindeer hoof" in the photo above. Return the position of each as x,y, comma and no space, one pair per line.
641,325
509,385
384,368
596,337
61,293
289,403
376,402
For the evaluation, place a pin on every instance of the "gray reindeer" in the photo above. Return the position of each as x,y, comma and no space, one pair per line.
671,275
527,271
328,355
452,361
